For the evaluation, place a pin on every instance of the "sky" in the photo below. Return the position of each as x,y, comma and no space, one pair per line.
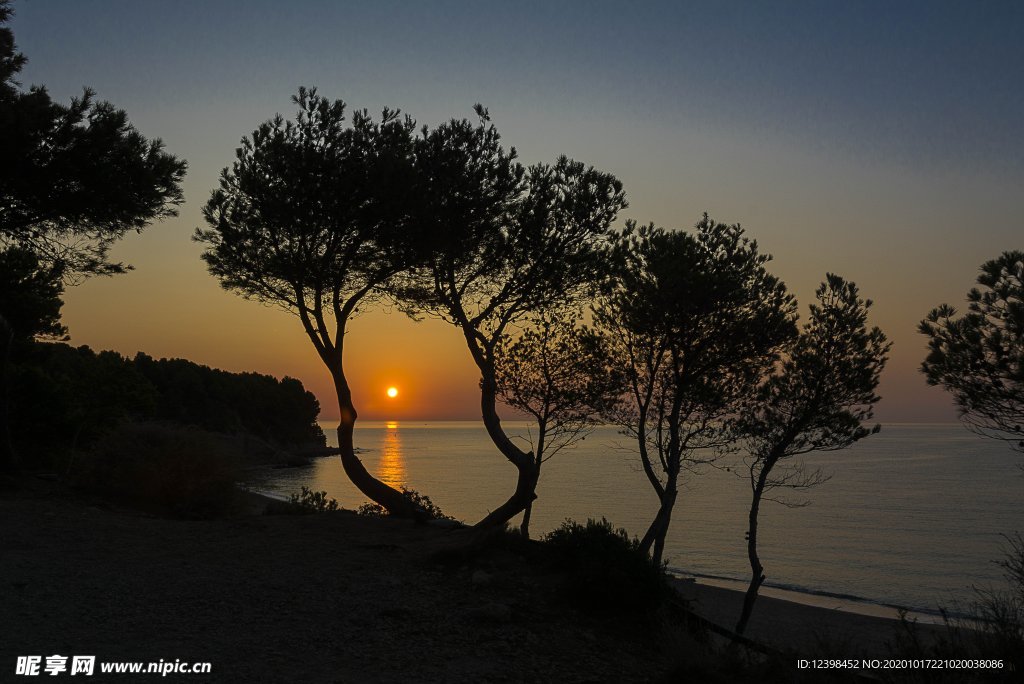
882,141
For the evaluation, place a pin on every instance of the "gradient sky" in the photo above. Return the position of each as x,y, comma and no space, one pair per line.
882,141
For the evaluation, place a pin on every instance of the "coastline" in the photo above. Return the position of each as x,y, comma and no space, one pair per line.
818,599
814,631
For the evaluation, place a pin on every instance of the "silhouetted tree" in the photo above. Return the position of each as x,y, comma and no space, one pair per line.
73,179
313,216
30,295
556,374
506,243
281,411
691,322
68,397
979,357
816,399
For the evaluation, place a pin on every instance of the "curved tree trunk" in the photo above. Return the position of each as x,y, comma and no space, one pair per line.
524,527
653,541
757,576
526,482
7,457
388,497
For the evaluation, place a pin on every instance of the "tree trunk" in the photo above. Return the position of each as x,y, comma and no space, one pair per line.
524,494
524,527
377,491
653,541
757,576
529,471
7,457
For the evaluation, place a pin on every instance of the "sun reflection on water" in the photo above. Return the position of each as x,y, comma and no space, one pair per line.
391,470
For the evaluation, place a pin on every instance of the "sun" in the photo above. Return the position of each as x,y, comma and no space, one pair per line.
392,392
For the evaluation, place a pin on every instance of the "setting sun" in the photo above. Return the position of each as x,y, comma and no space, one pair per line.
392,392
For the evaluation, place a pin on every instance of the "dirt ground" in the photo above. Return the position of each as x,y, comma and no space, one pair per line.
331,597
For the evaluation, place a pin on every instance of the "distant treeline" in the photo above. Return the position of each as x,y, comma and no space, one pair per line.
68,396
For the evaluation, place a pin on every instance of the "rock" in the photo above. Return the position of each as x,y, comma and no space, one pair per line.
481,579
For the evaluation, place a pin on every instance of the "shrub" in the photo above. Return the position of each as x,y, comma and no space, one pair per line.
607,571
372,509
1001,612
995,632
431,510
165,468
306,501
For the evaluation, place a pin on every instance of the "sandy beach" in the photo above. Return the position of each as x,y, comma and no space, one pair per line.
813,631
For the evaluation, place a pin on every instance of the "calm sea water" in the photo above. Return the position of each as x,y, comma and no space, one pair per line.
912,516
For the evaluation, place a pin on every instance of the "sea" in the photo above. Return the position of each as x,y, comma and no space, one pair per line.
913,517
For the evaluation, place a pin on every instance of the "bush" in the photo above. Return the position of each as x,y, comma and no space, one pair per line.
607,571
307,501
995,632
164,468
1001,612
431,510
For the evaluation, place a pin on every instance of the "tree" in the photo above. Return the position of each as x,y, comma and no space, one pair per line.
556,374
74,179
315,216
979,357
816,399
30,295
691,322
505,244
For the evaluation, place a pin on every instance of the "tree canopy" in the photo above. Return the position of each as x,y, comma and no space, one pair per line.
30,295
979,357
71,396
312,214
75,178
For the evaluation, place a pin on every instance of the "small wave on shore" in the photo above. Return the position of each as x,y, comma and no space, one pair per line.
820,598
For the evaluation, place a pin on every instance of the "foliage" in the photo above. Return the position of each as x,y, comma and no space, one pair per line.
979,356
556,374
309,501
429,510
1003,611
310,214
175,470
691,322
818,398
30,295
608,573
314,216
69,396
281,412
505,244
75,178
